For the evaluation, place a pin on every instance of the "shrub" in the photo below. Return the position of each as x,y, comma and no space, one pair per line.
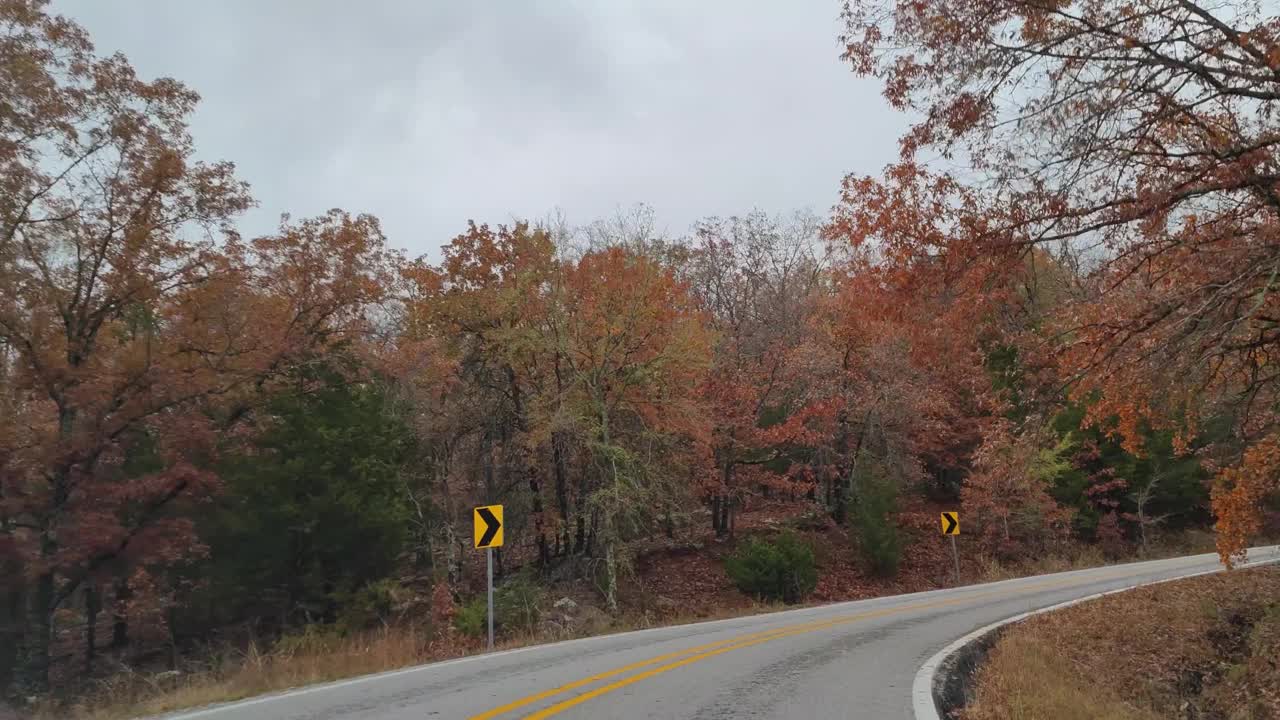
472,619
517,607
368,606
517,604
781,569
874,526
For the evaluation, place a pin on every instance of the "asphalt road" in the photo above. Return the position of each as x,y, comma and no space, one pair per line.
849,660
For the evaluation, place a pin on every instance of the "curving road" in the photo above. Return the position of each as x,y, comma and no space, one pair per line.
848,660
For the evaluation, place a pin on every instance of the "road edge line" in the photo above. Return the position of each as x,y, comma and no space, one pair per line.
922,696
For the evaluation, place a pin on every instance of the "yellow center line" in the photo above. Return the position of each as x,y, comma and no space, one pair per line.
765,634
618,671
708,650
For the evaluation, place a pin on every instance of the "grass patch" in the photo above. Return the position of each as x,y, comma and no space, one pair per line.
1203,647
296,660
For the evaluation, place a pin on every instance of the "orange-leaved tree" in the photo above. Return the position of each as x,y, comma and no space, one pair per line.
1137,140
759,280
635,346
133,322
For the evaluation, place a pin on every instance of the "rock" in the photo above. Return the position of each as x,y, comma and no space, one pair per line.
665,604
566,604
594,621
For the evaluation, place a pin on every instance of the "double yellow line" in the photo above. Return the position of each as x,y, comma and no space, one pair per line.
697,653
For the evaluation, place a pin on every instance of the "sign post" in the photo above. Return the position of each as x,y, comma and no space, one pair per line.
488,556
487,531
951,528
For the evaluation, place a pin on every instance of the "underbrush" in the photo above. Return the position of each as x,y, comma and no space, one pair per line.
1203,647
1080,557
312,656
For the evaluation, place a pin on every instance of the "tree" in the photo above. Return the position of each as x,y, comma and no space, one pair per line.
489,413
758,279
633,341
1138,138
312,509
1008,494
124,318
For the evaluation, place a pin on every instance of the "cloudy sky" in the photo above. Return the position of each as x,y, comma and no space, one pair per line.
429,112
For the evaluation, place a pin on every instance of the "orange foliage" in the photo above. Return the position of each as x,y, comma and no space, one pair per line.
1240,492
1093,135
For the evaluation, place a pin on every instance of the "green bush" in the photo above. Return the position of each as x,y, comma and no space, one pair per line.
368,606
781,569
517,607
472,619
874,526
518,604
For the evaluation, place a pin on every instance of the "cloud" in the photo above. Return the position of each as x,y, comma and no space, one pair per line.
430,114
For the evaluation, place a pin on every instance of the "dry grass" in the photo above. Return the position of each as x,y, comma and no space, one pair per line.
1203,647
316,657
296,661
1023,680
1082,557
992,570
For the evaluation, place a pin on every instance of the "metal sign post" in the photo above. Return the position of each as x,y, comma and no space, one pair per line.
489,555
955,554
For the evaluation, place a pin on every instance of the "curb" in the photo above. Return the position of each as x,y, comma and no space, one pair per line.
939,674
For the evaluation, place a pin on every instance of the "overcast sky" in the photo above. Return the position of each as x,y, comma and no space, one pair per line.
429,112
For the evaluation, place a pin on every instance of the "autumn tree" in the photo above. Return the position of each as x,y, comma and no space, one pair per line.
131,314
1141,138
634,344
1009,495
907,332
485,306
759,280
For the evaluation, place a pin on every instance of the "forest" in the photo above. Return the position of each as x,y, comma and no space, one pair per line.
208,439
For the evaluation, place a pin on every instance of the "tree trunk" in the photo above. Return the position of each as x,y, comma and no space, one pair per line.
580,545
539,521
92,604
611,577
453,562
31,669
715,515
119,620
562,485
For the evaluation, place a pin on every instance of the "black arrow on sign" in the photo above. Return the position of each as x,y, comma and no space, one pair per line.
491,526
951,523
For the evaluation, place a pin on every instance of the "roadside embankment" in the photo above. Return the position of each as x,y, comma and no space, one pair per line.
1200,648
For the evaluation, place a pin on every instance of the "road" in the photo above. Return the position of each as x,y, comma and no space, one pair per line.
848,660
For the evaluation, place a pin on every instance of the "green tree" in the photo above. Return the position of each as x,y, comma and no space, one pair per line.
780,569
872,510
1106,478
315,509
